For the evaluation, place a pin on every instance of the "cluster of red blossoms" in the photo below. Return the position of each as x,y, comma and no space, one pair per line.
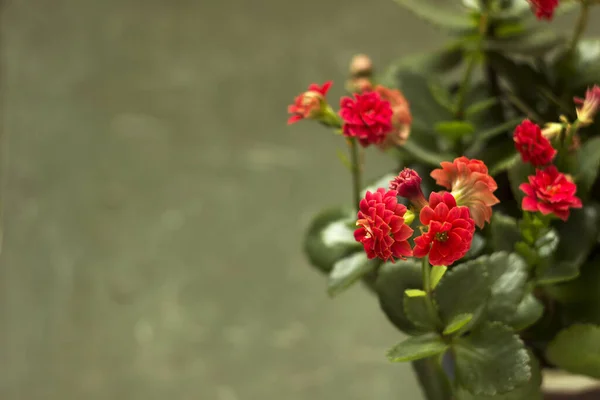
447,220
377,115
548,191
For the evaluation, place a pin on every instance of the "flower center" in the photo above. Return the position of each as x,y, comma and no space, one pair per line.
441,236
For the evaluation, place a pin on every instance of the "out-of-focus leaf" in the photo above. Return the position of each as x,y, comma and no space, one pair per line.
589,163
573,249
348,271
529,311
454,130
382,182
423,155
517,175
330,238
440,17
577,349
530,43
505,232
429,63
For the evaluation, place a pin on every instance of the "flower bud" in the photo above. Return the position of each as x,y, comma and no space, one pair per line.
311,104
361,66
358,85
551,130
408,185
588,107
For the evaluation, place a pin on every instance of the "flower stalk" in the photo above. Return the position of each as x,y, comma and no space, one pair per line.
356,169
426,272
580,26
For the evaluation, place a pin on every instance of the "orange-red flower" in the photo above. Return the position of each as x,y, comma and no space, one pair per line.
550,192
532,145
449,232
401,117
367,117
588,107
310,104
382,229
544,9
471,186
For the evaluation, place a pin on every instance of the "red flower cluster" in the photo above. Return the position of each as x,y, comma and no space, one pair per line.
367,117
532,145
450,230
550,192
544,9
382,229
309,105
471,186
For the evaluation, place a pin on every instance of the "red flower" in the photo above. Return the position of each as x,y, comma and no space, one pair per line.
401,117
471,186
532,145
588,106
544,9
382,230
310,104
366,117
550,192
449,233
408,185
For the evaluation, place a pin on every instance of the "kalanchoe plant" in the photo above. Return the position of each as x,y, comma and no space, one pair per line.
483,245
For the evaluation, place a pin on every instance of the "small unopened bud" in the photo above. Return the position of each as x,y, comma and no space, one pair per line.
588,107
551,130
408,185
361,66
409,217
359,85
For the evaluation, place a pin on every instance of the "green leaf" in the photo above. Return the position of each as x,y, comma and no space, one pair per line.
491,360
428,157
437,272
416,311
577,350
439,16
529,311
587,65
504,232
573,249
430,63
497,130
589,163
457,323
477,247
454,130
528,43
417,347
463,290
330,237
348,271
504,164
517,175
391,283
481,106
508,275
432,379
529,391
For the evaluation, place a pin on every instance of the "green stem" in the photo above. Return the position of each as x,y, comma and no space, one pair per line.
580,26
426,271
461,97
356,171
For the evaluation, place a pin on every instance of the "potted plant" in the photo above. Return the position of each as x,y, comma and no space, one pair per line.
483,245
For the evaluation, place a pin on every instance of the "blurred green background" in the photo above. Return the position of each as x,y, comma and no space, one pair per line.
155,201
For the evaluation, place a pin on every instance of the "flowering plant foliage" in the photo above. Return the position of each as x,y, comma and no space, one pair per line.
483,245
